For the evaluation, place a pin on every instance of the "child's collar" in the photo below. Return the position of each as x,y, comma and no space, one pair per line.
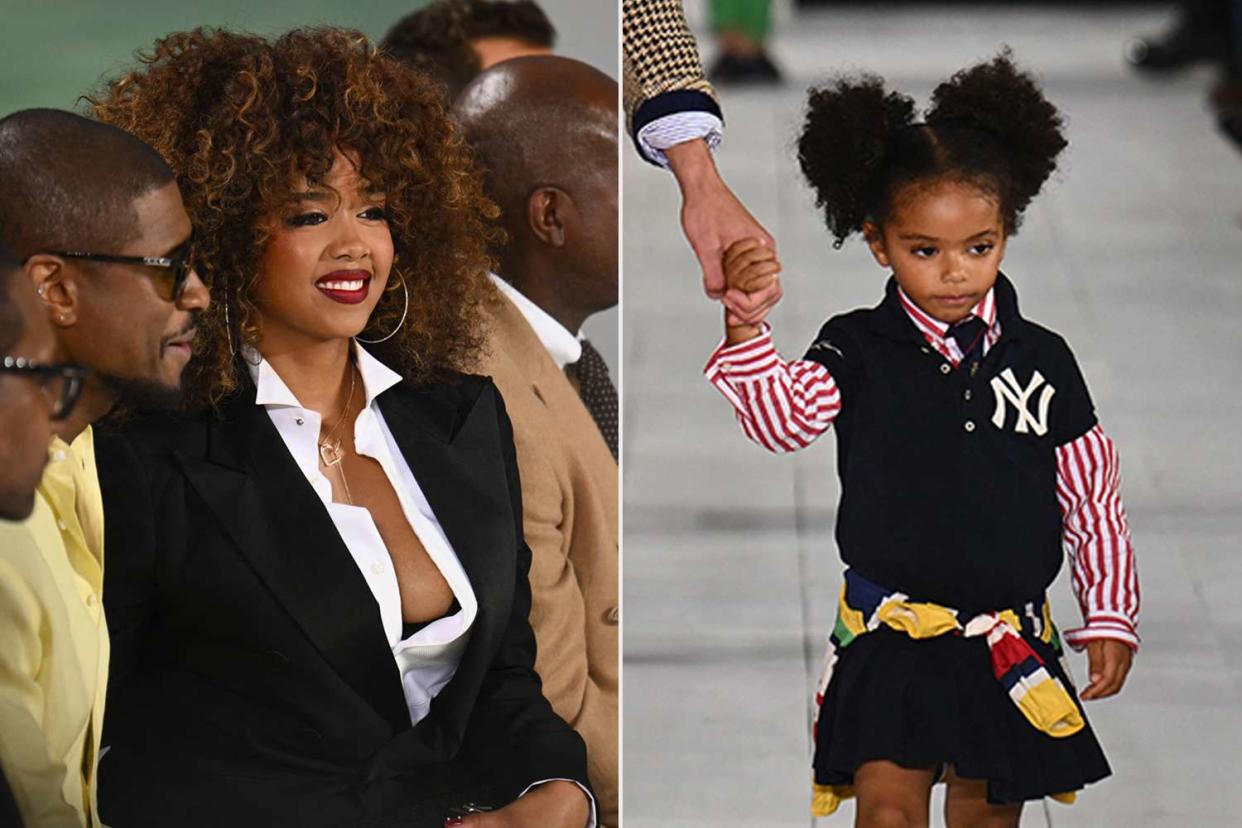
898,323
984,309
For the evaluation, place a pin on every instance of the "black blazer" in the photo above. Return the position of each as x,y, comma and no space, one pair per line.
251,681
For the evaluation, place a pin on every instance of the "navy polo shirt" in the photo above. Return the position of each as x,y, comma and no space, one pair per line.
948,475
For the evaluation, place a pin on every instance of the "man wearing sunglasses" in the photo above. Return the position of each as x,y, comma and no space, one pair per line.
32,390
97,222
33,393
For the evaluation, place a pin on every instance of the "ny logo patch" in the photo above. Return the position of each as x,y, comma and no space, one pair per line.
1007,390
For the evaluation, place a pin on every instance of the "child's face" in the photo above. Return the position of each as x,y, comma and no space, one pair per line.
944,243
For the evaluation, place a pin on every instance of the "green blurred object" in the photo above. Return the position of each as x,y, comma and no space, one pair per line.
751,17
58,50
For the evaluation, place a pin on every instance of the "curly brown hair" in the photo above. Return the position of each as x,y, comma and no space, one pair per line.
239,117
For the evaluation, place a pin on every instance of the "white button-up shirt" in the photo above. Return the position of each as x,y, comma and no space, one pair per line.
564,347
429,658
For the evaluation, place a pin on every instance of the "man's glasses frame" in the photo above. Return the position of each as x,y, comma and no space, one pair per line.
181,266
69,376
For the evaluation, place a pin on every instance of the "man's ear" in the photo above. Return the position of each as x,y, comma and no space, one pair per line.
56,286
875,241
548,211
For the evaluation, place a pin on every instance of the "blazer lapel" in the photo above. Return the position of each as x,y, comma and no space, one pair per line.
264,502
456,455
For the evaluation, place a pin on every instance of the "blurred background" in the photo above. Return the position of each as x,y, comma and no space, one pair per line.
56,50
1132,252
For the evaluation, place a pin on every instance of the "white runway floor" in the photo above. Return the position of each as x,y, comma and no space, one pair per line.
1134,253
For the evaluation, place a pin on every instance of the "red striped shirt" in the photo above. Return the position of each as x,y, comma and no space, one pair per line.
785,405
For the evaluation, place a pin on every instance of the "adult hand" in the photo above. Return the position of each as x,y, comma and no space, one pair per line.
1108,663
555,804
713,218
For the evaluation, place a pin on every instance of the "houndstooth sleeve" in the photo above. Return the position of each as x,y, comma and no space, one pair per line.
662,71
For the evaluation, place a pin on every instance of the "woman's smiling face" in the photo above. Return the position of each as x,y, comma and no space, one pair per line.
326,262
944,242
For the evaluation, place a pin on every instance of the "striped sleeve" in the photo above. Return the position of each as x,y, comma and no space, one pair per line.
782,406
1097,539
677,128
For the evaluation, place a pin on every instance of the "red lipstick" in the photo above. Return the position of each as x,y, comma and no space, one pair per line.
349,287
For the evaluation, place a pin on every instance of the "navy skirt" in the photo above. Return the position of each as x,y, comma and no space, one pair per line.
935,702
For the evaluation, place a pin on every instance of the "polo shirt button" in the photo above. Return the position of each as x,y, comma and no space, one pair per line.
945,368
58,455
63,526
92,600
300,421
970,425
612,616
968,395
377,568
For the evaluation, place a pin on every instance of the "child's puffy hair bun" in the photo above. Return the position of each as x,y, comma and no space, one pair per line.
990,124
1005,102
843,145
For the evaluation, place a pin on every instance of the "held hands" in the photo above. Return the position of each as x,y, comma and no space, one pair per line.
751,268
555,804
713,218
1108,663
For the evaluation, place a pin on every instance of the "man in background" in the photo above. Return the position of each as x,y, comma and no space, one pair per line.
454,40
545,130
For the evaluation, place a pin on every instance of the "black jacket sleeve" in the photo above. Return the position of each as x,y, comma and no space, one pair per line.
514,736
130,544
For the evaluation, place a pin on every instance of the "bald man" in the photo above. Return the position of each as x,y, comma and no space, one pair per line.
545,130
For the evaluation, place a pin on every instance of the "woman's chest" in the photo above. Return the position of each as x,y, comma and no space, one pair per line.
363,483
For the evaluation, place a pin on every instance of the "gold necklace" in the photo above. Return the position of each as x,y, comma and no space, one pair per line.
330,448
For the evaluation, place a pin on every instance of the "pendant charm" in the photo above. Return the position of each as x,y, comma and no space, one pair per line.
330,453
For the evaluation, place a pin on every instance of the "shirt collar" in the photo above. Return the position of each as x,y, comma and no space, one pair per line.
270,389
564,347
933,329
64,461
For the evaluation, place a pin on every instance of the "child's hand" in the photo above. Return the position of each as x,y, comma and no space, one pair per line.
1108,663
750,267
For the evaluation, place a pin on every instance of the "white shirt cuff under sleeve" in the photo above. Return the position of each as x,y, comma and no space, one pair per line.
592,819
678,128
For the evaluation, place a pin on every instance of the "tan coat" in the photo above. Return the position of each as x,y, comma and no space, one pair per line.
570,509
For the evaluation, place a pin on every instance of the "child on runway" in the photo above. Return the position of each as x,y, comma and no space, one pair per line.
969,455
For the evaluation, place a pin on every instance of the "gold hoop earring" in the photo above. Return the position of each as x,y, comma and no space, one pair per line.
404,313
228,327
228,331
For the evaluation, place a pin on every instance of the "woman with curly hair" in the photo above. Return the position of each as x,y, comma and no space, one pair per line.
970,460
316,582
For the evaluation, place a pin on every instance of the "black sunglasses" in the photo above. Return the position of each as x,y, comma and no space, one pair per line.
61,383
181,264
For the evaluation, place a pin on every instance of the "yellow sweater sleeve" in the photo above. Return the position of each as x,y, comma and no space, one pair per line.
35,767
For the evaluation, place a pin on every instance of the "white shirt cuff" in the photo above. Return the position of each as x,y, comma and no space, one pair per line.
592,819
678,128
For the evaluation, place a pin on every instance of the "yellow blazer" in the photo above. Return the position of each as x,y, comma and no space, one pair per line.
54,644
570,508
